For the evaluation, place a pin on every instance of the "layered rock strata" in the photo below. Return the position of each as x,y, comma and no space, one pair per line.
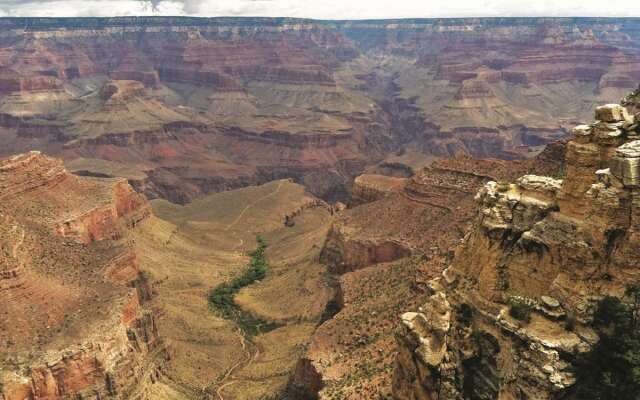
370,187
384,252
552,246
403,216
74,319
184,107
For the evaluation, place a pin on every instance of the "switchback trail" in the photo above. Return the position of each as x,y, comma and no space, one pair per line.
249,206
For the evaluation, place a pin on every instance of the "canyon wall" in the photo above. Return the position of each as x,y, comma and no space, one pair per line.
74,321
381,254
182,107
371,187
554,247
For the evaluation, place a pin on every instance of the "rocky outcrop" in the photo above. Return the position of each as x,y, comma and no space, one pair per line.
368,188
344,251
119,363
423,213
117,207
107,221
28,172
351,355
122,91
422,340
439,184
552,247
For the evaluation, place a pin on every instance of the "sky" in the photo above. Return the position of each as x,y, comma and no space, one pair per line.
320,9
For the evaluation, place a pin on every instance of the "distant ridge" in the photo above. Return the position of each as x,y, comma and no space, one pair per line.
102,22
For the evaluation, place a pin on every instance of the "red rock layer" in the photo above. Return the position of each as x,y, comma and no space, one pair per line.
196,106
74,319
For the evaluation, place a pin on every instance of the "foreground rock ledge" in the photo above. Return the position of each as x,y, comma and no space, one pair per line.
556,245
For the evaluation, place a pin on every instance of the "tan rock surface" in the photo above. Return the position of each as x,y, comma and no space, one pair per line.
556,246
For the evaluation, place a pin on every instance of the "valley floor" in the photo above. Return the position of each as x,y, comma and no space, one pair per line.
188,250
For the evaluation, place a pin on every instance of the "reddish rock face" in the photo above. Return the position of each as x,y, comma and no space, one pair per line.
190,107
344,253
106,222
74,321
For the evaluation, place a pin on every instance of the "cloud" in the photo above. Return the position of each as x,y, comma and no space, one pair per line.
359,9
320,9
89,8
154,4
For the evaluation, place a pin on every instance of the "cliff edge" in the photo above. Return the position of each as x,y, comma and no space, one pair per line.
512,316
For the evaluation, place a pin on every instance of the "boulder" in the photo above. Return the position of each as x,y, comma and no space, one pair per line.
541,184
625,165
582,133
430,328
612,113
550,302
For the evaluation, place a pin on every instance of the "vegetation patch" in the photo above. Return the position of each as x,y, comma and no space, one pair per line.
221,297
503,186
465,314
520,308
611,370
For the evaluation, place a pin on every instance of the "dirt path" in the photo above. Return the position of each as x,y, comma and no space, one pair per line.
17,246
249,206
250,353
250,350
175,231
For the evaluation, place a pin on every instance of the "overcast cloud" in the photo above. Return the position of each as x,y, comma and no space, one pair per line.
321,9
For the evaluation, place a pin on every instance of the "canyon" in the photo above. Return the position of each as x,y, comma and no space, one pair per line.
183,107
104,294
414,181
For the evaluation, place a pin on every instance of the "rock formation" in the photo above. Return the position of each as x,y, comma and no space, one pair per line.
74,322
382,253
548,246
370,187
392,218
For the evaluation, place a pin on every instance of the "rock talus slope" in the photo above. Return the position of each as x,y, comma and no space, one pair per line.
557,246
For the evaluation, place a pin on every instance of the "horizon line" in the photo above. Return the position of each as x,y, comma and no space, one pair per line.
322,19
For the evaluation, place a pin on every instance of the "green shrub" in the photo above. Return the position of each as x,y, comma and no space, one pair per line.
221,297
570,323
611,370
503,186
520,308
465,314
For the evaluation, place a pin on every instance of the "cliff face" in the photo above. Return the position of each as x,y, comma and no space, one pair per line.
185,107
372,187
74,320
550,246
382,253
391,218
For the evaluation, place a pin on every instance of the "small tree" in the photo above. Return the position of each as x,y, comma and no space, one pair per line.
633,294
520,309
612,369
